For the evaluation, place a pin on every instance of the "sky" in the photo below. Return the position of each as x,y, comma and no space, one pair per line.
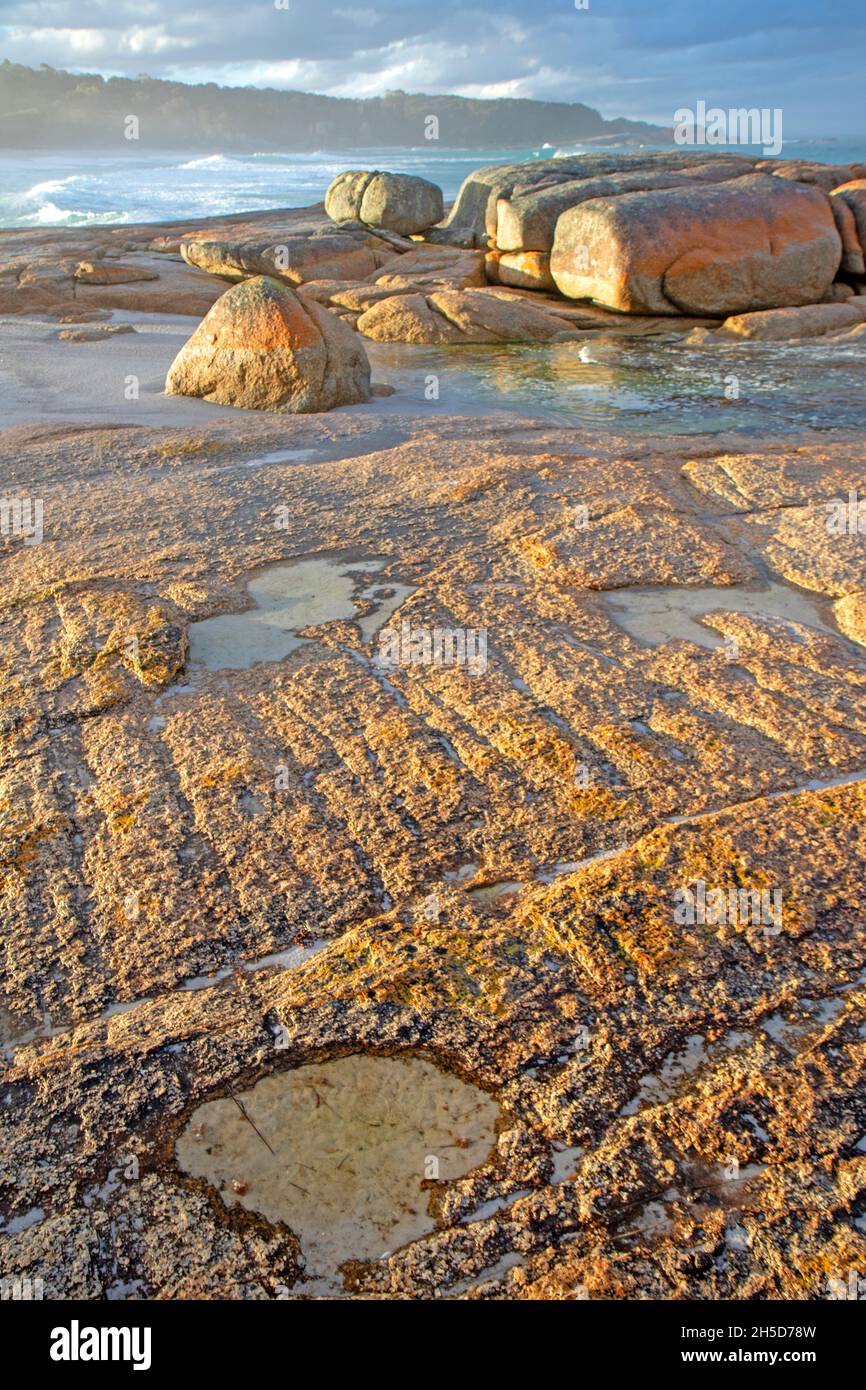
635,58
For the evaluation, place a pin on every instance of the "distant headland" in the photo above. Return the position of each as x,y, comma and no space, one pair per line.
46,108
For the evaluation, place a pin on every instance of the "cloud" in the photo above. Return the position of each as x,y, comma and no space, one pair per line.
155,40
77,41
628,57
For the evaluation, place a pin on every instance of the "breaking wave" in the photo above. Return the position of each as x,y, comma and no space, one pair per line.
210,161
43,190
50,215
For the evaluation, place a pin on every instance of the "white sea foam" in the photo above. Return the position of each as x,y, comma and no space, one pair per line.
50,215
49,186
209,161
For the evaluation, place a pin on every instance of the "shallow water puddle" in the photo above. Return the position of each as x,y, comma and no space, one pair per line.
663,613
565,1160
339,1150
280,456
387,599
489,892
287,598
638,385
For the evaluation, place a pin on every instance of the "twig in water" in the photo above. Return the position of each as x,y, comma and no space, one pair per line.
263,1139
249,1121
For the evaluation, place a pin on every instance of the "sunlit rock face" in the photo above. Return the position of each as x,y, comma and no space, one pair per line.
668,233
317,853
580,923
262,347
530,196
462,316
294,257
754,242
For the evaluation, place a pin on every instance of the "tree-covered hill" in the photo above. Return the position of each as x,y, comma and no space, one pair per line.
46,108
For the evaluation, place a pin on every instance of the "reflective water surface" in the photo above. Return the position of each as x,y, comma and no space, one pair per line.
640,385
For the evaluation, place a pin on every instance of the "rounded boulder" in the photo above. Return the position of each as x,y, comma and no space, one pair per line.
400,203
263,347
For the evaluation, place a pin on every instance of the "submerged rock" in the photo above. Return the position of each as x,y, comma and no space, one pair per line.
343,1165
97,334
755,242
400,202
262,347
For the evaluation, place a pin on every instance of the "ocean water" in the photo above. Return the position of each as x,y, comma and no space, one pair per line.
74,189
81,188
